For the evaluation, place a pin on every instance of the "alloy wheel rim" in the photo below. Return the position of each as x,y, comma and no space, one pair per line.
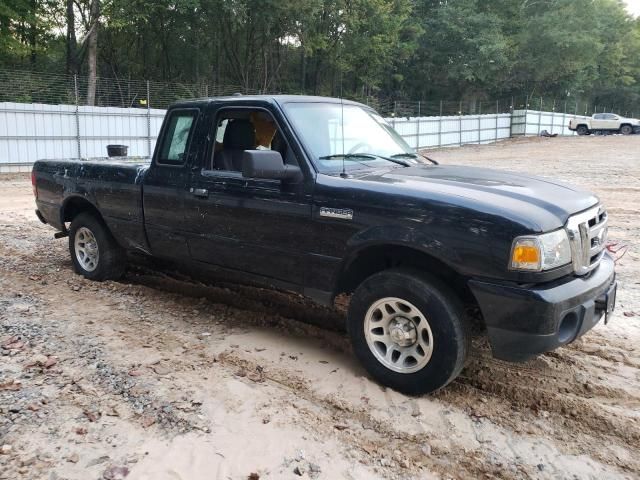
398,334
86,248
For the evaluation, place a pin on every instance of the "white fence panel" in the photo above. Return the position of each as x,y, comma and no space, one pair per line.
32,131
532,122
425,132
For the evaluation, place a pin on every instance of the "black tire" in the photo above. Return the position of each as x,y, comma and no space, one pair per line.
111,258
582,130
626,129
445,317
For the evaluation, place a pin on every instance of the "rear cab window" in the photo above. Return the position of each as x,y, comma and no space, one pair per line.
177,137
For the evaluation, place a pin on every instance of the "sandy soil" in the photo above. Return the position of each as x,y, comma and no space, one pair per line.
160,377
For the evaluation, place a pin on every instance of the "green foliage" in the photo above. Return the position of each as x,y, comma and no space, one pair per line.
566,50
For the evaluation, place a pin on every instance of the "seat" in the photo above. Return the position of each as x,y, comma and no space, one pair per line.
239,136
279,145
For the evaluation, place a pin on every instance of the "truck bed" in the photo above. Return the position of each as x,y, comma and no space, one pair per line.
113,185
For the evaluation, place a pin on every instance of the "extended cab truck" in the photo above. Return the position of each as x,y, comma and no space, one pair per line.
322,197
604,123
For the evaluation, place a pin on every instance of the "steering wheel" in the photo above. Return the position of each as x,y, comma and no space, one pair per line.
358,146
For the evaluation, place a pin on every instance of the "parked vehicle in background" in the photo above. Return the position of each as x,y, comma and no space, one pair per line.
322,197
604,123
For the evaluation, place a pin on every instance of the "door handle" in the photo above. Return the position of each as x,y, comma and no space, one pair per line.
199,192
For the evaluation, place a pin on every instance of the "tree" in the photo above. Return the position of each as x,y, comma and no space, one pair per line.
475,50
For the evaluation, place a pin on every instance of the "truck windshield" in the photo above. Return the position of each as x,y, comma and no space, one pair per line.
334,133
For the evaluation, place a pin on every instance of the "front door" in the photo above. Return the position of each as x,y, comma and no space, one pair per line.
252,225
599,121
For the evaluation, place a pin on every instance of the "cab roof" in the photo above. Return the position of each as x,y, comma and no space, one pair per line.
274,99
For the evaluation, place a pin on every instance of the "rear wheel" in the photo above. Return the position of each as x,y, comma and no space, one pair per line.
582,130
626,129
94,252
408,330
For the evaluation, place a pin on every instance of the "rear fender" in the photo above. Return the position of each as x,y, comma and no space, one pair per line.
72,205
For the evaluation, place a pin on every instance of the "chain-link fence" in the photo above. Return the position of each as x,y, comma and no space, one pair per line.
49,88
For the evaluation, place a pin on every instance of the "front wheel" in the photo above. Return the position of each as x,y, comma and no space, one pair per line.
408,330
626,129
94,252
582,130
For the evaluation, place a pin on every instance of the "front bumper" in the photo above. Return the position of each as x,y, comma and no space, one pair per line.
523,322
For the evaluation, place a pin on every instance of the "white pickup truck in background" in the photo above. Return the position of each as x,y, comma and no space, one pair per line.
604,123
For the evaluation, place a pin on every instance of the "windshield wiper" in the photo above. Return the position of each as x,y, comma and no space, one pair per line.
370,156
413,155
347,155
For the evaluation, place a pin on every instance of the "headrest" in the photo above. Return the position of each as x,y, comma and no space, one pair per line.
240,134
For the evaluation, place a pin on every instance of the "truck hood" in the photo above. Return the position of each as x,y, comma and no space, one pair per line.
537,203
633,121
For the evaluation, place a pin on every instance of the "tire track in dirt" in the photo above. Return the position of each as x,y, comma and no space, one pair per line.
357,424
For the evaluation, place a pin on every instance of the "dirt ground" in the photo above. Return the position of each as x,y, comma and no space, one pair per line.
159,377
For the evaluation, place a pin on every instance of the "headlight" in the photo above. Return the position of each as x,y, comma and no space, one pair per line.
535,253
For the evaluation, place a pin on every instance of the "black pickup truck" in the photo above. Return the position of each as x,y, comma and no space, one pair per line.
322,197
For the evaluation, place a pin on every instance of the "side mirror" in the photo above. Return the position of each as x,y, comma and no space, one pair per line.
267,164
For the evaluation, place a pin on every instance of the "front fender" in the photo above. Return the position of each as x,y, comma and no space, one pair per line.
416,239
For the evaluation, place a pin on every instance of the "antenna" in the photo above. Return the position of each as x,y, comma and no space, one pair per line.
344,172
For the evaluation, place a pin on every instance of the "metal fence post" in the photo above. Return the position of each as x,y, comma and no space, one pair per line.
564,117
393,121
511,110
418,128
440,126
148,119
553,115
497,114
460,124
77,115
526,115
540,116
479,120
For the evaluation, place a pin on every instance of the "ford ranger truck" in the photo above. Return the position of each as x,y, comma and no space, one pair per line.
323,198
604,123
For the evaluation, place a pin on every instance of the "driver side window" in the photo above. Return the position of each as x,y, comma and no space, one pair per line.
237,130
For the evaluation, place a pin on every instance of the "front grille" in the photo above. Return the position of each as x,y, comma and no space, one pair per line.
588,235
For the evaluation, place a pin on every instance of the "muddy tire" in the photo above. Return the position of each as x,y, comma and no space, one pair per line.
582,130
626,129
94,252
409,331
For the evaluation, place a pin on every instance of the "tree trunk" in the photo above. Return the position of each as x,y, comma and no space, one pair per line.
33,32
72,60
92,52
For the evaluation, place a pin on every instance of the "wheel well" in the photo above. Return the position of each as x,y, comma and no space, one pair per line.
77,205
582,125
382,257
